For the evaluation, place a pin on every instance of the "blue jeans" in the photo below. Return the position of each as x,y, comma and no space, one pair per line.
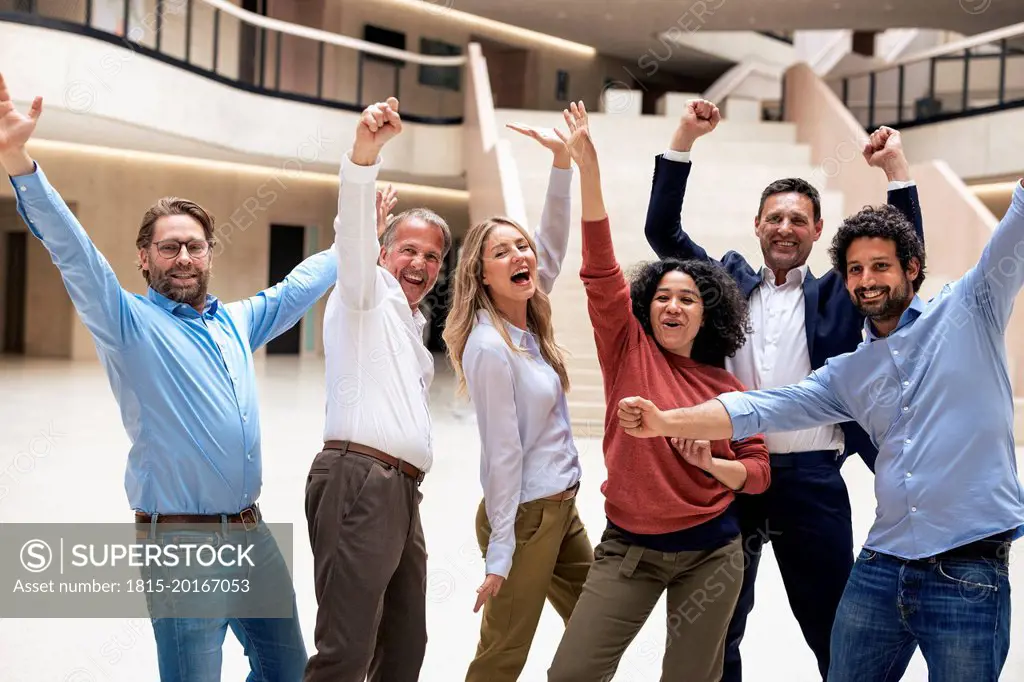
956,610
190,628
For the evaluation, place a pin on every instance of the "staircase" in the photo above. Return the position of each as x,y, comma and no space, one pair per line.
731,168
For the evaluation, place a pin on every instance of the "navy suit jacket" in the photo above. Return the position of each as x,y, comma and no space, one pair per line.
833,324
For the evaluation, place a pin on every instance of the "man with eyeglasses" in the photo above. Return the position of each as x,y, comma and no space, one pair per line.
180,364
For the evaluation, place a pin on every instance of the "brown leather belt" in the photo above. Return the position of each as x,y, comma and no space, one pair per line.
393,462
248,517
565,494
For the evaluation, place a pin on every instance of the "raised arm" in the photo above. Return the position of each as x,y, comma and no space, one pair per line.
91,283
664,227
274,311
552,233
740,415
355,227
607,290
997,278
884,149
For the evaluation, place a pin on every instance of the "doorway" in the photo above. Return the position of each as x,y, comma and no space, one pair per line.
507,66
15,292
287,246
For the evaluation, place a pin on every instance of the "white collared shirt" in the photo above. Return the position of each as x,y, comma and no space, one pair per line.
378,370
526,444
776,354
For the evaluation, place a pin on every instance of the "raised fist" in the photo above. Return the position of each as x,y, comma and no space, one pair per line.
700,118
15,127
378,124
884,149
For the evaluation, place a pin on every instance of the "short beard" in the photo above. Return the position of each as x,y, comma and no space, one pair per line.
194,295
895,304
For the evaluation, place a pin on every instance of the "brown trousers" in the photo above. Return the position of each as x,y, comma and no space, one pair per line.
370,567
624,584
551,561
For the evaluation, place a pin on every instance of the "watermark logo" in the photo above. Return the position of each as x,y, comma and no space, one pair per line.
975,6
438,6
36,556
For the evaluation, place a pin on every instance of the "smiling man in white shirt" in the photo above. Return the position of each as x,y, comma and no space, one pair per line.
362,493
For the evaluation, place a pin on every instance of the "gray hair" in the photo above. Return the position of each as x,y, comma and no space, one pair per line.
387,239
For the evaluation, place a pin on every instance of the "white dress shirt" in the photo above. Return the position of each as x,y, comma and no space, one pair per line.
378,370
526,445
776,353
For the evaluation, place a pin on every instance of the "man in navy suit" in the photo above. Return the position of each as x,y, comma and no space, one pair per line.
798,322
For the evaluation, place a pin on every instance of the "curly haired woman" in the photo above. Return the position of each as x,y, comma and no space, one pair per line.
670,525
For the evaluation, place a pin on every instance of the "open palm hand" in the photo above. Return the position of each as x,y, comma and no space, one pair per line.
15,127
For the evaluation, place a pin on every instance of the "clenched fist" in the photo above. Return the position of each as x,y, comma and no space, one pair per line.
378,124
700,118
884,149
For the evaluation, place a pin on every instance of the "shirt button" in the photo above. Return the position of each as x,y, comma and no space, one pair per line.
907,441
245,419
909,474
23,188
913,509
895,352
249,457
906,383
906,409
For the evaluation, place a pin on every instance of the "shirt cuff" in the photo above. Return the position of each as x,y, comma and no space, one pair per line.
901,184
741,414
356,174
677,156
560,182
498,561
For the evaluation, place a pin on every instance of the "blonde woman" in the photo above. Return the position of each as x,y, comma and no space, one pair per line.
501,343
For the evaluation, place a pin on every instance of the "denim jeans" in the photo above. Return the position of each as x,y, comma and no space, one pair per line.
956,610
190,627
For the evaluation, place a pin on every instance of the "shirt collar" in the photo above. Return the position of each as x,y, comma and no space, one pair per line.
794,275
912,312
520,337
183,309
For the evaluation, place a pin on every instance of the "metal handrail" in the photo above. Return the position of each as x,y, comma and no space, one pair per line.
999,34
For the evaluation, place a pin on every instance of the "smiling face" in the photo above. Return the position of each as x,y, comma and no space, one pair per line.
677,313
414,258
182,277
509,267
787,230
877,284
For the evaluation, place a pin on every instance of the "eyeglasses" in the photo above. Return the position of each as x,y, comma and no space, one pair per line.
170,248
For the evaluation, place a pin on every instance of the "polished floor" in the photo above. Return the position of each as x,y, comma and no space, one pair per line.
65,413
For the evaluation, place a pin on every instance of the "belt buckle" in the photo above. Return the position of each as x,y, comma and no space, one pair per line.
245,524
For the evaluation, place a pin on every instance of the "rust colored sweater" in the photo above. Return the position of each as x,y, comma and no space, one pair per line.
650,487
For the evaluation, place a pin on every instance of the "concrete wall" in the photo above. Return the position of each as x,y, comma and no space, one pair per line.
112,189
975,147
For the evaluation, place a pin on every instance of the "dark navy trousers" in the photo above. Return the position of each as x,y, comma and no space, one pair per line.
805,514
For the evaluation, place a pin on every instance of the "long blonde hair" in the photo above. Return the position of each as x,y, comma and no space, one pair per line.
470,295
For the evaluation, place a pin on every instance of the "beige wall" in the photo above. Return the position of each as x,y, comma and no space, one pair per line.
348,17
112,189
975,147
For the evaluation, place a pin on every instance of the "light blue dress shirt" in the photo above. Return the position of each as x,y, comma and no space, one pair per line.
184,381
935,397
527,447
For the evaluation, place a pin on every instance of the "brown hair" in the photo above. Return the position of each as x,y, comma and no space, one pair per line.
471,295
169,206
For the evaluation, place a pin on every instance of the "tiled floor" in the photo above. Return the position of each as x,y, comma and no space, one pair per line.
66,415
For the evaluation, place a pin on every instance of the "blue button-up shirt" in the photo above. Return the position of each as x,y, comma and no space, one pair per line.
184,380
935,397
